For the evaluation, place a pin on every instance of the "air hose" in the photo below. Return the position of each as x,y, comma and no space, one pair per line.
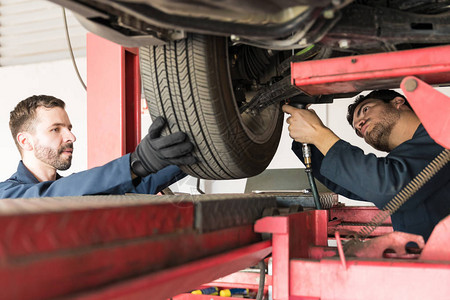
307,157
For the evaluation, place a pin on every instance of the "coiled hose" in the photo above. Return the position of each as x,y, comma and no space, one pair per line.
407,192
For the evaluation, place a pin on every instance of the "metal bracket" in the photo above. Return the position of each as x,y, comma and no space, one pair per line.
376,247
431,106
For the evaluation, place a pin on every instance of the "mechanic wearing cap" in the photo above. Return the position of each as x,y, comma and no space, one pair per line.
42,132
385,120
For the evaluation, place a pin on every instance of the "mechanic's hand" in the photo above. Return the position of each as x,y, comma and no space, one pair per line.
304,124
306,127
155,152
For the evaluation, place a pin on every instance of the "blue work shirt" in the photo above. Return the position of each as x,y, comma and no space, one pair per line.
346,170
114,178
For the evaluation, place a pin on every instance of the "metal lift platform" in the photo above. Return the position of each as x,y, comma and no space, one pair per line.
161,247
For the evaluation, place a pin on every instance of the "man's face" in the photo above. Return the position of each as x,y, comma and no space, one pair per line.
52,137
373,120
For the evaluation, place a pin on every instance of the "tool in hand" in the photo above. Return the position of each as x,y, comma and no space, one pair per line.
306,150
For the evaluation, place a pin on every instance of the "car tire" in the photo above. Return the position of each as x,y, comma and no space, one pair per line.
188,82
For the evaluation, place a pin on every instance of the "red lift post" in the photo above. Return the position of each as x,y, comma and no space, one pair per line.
113,100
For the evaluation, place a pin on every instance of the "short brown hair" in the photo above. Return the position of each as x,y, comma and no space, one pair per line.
24,114
384,95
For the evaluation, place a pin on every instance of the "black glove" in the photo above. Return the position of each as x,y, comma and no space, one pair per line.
155,152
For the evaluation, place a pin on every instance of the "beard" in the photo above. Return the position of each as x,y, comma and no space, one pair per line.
378,137
53,156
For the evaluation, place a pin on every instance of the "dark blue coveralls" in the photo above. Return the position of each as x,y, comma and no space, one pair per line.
114,178
347,171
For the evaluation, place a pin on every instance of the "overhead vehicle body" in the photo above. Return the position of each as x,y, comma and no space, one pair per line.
219,70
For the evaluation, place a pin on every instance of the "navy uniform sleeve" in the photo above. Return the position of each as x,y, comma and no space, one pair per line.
316,159
155,183
379,179
346,170
113,178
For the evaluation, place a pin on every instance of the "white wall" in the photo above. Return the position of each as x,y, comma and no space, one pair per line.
56,78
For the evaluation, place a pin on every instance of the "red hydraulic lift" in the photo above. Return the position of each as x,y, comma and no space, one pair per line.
156,247
304,267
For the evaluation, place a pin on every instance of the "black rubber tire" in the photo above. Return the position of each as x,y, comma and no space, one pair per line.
188,82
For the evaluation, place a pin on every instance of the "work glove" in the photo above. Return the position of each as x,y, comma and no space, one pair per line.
155,152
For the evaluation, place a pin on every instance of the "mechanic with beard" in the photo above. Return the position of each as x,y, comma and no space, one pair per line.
386,121
42,132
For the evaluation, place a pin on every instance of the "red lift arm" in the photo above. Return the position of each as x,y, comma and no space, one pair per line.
412,70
